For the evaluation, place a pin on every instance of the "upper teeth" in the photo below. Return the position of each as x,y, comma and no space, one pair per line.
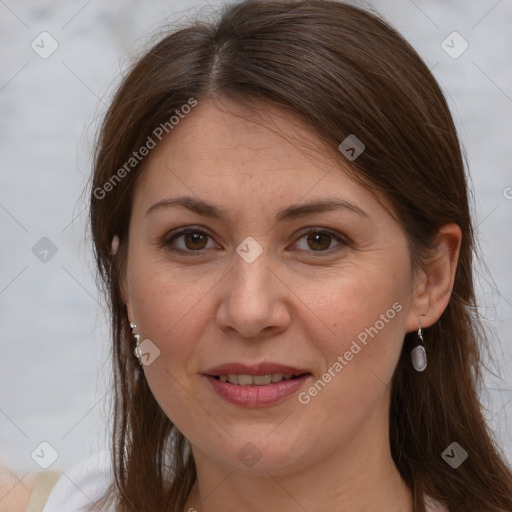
259,380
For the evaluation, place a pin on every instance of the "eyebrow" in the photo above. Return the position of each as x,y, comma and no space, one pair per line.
293,211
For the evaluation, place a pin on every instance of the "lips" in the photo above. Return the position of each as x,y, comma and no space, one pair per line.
258,385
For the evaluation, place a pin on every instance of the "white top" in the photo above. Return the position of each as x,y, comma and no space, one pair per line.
88,481
79,487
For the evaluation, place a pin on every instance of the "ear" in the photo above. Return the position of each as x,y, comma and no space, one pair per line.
131,318
123,289
434,283
127,302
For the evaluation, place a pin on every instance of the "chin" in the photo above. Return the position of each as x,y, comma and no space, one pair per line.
262,455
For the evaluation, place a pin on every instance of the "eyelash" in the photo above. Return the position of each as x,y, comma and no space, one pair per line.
341,241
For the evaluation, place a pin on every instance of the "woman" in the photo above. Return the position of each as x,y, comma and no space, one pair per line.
279,213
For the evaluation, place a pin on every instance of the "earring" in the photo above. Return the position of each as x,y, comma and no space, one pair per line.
419,354
137,351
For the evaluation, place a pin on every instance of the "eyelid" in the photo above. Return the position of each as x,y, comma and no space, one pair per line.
183,231
341,239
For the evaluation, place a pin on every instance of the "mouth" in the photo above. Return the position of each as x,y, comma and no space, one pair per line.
256,380
259,385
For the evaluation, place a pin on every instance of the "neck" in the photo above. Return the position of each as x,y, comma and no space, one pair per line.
361,476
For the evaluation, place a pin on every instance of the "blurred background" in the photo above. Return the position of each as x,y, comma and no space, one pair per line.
59,65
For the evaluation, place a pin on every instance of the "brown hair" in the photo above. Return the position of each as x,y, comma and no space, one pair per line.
344,71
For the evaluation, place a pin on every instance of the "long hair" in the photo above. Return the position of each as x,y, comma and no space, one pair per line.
344,71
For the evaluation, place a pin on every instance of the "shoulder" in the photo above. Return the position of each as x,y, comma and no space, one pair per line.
75,490
14,491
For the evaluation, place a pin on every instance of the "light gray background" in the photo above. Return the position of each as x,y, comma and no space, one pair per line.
54,339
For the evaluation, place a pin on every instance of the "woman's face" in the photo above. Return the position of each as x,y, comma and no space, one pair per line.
265,284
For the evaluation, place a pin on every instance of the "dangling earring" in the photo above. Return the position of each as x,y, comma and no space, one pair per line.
419,354
137,350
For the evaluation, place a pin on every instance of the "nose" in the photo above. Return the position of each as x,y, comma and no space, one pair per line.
255,302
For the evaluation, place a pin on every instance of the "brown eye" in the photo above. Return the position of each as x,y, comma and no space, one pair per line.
195,241
319,241
189,241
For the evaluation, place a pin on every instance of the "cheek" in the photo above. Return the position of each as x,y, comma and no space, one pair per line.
356,323
169,309
361,303
172,309
168,305
358,359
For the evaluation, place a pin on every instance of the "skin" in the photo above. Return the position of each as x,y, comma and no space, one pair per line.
15,490
294,305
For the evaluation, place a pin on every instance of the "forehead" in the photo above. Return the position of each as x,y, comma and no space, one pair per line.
240,155
230,133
